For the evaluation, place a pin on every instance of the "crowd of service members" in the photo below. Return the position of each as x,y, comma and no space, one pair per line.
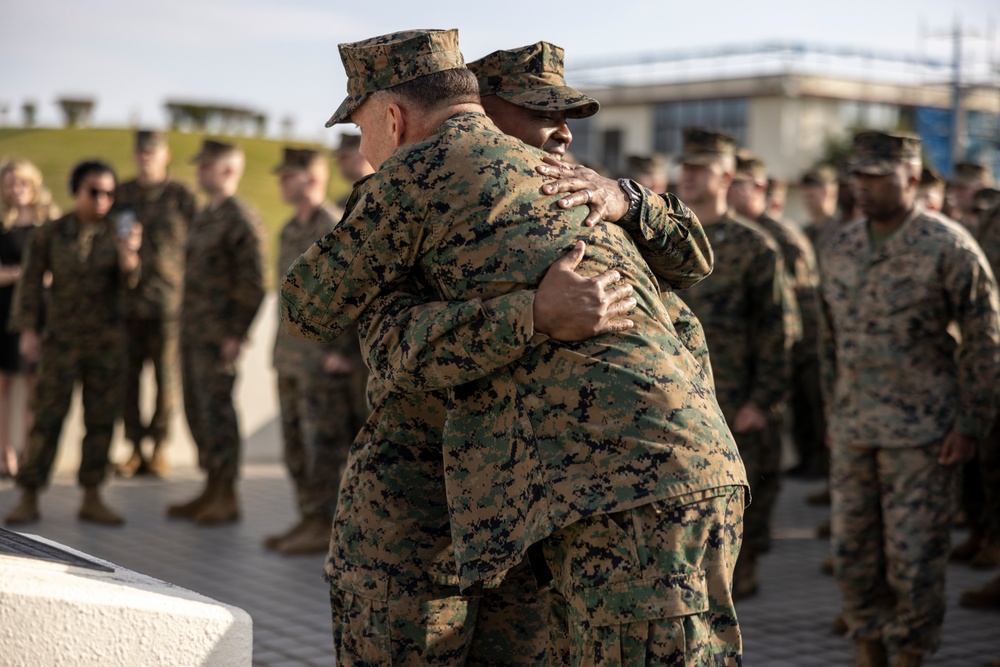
134,265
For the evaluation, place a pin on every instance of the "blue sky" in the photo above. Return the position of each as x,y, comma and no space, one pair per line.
281,56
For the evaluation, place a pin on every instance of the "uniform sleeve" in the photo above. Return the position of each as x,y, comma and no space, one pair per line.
827,358
26,308
689,330
671,239
772,327
420,346
247,285
332,283
972,294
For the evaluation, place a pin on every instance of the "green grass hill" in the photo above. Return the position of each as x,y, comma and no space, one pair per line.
55,151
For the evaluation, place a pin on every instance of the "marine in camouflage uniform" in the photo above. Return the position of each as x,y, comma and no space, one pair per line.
819,194
981,476
905,401
504,493
223,287
805,400
165,209
318,385
750,320
82,339
410,539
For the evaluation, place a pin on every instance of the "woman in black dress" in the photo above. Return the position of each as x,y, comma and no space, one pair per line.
24,204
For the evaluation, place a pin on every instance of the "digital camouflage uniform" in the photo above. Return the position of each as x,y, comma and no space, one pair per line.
81,342
897,382
806,401
392,522
981,478
151,310
223,287
515,472
320,412
749,325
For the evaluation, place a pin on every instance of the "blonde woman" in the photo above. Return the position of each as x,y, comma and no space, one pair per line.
25,204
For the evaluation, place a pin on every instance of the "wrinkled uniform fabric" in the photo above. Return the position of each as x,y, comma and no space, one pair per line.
82,340
981,478
505,428
896,382
151,309
806,401
320,412
750,324
223,287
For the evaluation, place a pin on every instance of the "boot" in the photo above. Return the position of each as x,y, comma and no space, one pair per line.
988,556
220,506
823,530
908,659
871,653
314,538
826,567
26,510
995,663
93,509
821,497
134,466
158,466
970,547
191,508
272,541
745,577
839,625
987,597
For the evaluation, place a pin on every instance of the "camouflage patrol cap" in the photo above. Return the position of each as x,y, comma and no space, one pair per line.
821,174
985,199
389,60
349,143
704,146
749,167
970,173
930,178
145,139
297,158
213,150
645,164
878,153
532,77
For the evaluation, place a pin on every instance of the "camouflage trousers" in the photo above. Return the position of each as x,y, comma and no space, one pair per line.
416,622
153,340
808,420
208,405
96,365
761,454
981,486
319,419
648,586
891,515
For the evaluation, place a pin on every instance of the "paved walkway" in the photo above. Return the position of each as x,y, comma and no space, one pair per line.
787,624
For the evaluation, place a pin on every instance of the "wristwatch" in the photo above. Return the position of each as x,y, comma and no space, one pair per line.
634,195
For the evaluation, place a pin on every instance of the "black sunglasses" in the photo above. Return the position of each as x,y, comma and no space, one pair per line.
97,192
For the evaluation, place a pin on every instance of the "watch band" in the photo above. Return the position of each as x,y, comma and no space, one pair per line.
634,195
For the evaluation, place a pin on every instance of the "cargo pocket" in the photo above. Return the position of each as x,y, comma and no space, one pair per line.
364,638
644,621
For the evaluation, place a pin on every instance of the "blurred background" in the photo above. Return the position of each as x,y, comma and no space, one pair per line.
790,80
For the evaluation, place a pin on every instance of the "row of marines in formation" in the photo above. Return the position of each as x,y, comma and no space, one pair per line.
556,428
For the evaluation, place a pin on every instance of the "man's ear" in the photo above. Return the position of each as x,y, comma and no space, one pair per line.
396,121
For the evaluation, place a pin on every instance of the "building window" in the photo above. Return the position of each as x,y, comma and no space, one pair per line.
727,115
581,147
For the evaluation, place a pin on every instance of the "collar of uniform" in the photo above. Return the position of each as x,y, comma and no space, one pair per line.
904,235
